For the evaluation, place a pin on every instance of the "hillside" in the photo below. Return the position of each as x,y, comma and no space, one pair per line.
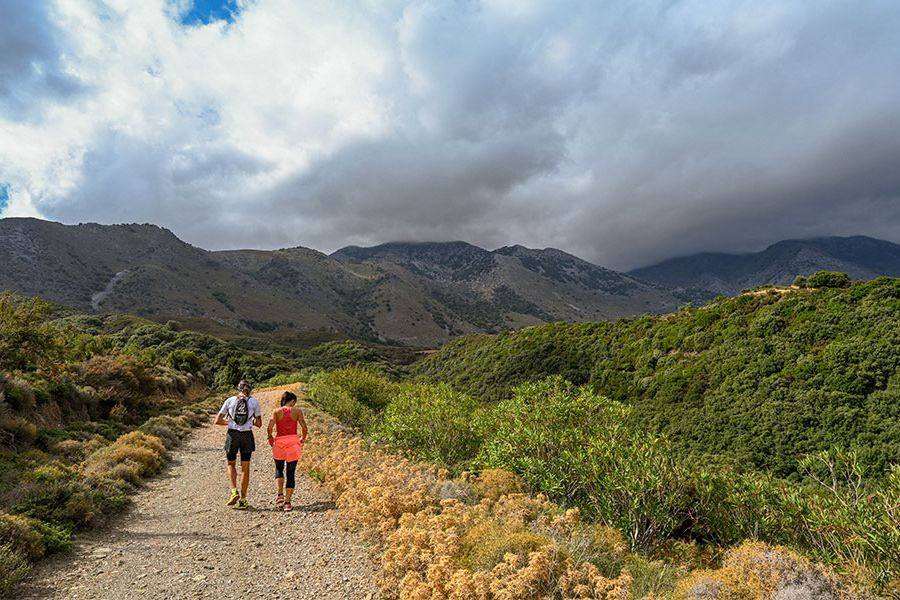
759,379
859,256
410,294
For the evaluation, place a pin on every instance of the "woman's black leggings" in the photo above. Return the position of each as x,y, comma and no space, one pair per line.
291,470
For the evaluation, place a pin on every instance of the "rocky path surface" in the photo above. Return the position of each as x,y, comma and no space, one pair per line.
179,540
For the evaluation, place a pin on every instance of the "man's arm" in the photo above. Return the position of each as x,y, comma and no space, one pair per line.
223,413
257,420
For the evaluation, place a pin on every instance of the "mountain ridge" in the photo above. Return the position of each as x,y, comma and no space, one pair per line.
859,256
419,294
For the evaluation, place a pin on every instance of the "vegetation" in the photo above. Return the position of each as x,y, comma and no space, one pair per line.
455,539
73,392
582,450
758,380
744,450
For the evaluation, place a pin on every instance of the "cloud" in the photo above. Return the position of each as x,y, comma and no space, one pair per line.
623,132
32,67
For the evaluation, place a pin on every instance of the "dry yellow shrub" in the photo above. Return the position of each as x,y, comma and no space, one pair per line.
18,533
757,571
493,483
485,544
142,440
512,547
131,457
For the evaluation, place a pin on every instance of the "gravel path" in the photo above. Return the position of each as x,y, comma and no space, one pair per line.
179,540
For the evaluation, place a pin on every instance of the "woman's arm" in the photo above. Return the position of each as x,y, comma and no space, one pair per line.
303,429
271,426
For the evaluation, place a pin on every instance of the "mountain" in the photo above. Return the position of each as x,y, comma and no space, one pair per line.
466,289
859,256
420,294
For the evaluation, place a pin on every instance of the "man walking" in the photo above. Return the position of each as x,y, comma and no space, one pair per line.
240,413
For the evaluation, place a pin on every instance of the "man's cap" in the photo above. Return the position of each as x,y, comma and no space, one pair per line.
245,385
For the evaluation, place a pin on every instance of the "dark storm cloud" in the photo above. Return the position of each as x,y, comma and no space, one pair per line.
30,65
623,132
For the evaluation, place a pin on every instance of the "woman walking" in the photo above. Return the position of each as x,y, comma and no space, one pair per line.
286,447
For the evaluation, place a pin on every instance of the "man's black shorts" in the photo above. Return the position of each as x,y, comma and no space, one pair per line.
239,441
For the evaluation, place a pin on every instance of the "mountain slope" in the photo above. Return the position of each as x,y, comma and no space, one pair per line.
859,256
510,287
416,294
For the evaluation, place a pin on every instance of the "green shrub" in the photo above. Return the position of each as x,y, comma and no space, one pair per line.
433,423
185,361
828,279
577,447
27,341
56,538
353,395
339,403
64,502
536,432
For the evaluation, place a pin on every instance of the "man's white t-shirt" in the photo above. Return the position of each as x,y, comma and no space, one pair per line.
253,411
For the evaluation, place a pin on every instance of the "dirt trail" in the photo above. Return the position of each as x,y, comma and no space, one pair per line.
179,540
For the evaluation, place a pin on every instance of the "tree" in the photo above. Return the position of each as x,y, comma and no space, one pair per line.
27,341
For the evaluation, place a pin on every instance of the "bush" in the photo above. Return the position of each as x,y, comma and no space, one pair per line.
56,538
576,447
167,428
18,394
27,341
17,432
433,423
13,567
355,396
756,571
484,546
828,279
185,361
19,534
494,483
130,458
536,432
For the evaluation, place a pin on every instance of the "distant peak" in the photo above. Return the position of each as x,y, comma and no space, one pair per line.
407,249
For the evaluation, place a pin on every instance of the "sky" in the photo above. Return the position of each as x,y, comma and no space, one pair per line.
622,132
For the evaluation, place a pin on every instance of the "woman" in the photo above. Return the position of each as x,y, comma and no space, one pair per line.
286,447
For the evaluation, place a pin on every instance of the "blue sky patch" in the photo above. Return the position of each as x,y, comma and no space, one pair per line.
203,12
4,196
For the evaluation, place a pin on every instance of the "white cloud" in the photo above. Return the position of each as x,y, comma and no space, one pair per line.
623,132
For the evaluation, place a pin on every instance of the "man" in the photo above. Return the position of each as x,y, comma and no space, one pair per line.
240,413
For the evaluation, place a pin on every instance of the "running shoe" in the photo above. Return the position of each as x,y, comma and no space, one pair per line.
288,507
234,497
243,504
279,501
